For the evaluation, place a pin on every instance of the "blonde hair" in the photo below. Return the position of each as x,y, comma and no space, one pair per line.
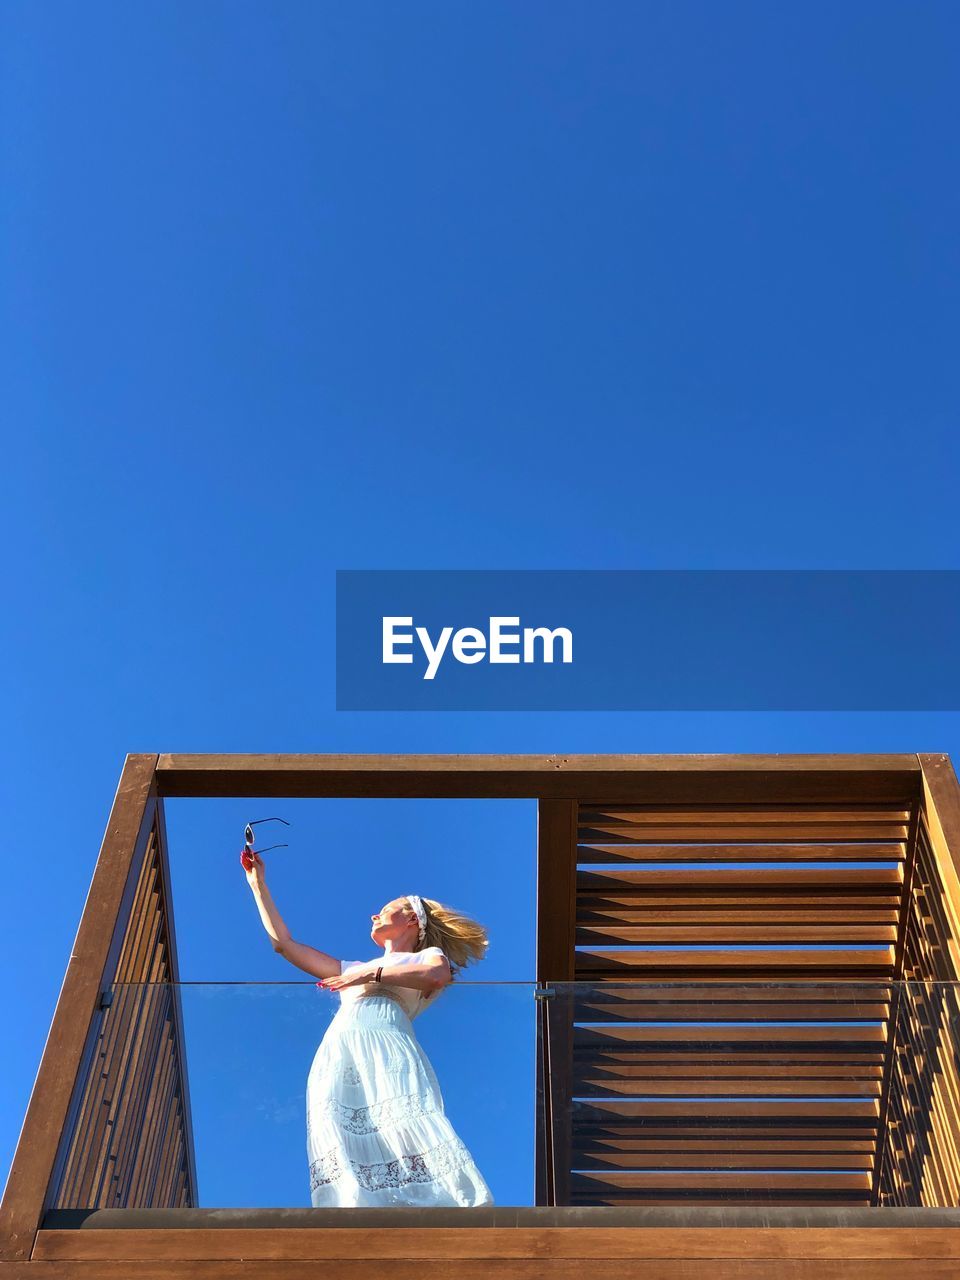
462,939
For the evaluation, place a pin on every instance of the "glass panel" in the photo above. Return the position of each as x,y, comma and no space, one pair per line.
249,1050
775,1093
779,1094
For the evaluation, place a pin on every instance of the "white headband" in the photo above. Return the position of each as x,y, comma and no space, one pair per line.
420,914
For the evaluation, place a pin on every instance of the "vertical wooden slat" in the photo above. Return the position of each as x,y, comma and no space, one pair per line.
133,1129
139,1132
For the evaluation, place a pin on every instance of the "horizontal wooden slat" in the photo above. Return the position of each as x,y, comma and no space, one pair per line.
733,1033
769,1179
853,852
592,1085
756,917
637,879
770,832
600,1009
722,1160
704,1132
834,960
710,816
688,969
760,994
749,896
771,932
719,1145
642,1070
706,1055
694,1198
697,1108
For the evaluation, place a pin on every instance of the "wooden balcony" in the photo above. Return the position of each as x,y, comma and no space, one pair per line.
764,959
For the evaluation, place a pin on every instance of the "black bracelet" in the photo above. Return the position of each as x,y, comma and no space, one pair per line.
379,971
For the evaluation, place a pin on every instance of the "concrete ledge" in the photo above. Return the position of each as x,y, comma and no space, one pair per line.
522,1216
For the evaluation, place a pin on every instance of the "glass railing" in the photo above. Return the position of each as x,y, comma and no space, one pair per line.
269,1095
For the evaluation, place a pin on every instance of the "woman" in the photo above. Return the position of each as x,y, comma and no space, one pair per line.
376,1129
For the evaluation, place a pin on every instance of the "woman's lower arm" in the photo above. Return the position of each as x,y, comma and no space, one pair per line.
309,959
272,920
426,976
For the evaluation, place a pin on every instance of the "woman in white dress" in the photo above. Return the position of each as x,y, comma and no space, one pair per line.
377,1134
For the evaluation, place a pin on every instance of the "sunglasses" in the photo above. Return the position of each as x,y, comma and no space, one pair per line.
249,836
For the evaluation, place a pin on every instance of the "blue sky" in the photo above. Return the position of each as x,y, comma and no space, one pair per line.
292,288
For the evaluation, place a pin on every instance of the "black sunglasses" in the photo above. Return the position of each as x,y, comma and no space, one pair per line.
249,837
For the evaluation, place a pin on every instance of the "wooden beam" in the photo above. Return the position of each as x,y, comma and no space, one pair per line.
556,890
941,795
125,840
593,778
556,963
559,1254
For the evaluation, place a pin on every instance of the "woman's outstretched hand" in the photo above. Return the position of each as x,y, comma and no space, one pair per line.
252,864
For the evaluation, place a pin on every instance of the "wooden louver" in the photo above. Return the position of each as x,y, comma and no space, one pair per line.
731,1045
921,1158
130,1142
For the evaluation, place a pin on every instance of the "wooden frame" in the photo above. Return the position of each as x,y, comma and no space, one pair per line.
656,1252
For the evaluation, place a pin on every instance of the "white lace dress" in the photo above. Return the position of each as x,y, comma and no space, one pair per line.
377,1134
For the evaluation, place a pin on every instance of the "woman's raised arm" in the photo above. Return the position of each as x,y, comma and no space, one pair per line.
309,959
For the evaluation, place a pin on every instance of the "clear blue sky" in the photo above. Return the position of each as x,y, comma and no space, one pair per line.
295,287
